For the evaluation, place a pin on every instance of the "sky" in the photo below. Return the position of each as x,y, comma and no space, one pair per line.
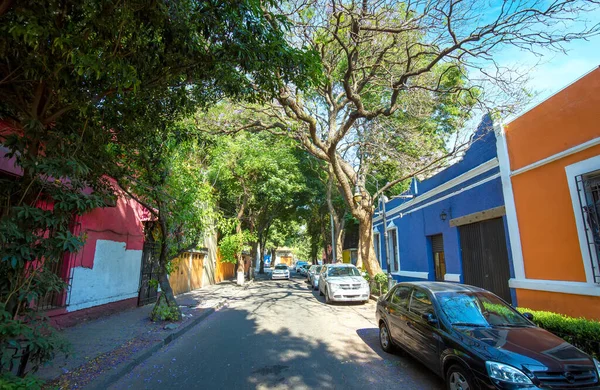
557,70
549,73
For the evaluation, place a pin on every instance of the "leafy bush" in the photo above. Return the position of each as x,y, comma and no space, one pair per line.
581,332
378,283
31,332
162,311
11,382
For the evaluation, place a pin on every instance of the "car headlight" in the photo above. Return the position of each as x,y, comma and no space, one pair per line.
597,364
334,286
505,373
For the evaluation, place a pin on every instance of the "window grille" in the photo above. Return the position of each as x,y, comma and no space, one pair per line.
588,188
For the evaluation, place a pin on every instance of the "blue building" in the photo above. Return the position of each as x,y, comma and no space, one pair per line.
452,226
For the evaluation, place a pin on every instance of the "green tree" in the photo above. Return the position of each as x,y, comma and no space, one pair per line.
398,79
71,72
161,167
261,183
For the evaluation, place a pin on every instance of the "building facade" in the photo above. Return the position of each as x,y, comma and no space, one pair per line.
452,226
550,163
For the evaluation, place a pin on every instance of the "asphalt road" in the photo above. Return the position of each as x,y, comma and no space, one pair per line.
281,335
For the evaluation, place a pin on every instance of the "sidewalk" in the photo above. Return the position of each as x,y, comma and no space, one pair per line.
106,348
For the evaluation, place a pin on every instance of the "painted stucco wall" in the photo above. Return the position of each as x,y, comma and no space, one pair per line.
553,275
114,276
107,268
421,219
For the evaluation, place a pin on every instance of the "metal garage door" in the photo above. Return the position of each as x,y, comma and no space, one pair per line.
485,256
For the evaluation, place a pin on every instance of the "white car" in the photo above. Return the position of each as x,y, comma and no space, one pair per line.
343,283
281,271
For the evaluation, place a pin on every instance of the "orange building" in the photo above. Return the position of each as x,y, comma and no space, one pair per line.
550,167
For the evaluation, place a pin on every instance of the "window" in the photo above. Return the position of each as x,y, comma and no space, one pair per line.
439,260
377,248
420,303
588,187
343,271
393,249
401,296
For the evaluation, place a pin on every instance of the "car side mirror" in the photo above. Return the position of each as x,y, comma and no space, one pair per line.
529,316
430,319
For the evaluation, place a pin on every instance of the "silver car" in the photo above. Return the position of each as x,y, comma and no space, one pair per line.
313,276
343,282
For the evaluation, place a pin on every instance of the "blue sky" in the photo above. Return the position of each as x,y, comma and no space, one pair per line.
557,70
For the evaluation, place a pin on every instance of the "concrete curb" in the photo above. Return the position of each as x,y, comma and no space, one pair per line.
374,297
108,379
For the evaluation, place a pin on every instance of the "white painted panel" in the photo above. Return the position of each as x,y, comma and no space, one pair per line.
115,276
576,288
452,278
413,274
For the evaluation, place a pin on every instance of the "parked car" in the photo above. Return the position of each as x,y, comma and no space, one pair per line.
281,271
343,282
475,340
304,269
313,274
299,265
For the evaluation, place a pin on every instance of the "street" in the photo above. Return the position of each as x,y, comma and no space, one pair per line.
280,334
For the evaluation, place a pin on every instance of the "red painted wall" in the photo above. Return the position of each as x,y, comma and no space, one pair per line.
122,223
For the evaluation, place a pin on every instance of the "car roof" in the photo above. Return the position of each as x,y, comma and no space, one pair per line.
440,287
341,265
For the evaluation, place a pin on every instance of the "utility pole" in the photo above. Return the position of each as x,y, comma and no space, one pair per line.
383,199
333,254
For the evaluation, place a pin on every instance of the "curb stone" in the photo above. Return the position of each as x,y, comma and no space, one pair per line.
119,372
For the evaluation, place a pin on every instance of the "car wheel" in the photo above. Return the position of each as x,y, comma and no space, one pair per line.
457,378
385,340
327,299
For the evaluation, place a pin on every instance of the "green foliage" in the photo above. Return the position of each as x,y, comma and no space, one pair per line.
378,283
31,332
581,332
163,311
11,382
233,244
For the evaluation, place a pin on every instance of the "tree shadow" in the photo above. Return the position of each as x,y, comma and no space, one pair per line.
281,338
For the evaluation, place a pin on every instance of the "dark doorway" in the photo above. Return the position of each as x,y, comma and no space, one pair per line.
149,274
485,256
439,260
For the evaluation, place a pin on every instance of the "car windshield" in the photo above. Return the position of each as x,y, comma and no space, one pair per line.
281,267
343,271
318,268
478,309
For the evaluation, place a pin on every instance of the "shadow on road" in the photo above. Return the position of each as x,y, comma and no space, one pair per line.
279,336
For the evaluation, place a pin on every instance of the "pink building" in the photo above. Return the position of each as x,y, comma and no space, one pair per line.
106,274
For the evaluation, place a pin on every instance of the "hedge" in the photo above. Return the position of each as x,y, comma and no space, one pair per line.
581,332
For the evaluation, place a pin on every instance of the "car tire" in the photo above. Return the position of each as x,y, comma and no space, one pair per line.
385,340
459,378
327,299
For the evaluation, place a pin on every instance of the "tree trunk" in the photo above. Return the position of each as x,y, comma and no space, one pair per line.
262,259
253,254
365,244
339,237
326,239
166,295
